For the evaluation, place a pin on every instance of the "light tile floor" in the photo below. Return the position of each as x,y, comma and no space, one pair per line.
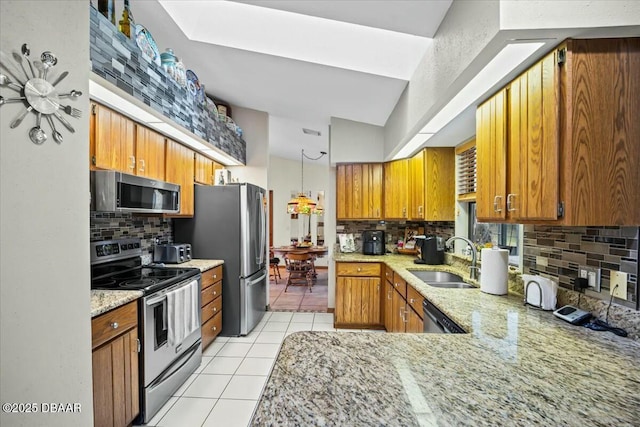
226,388
298,298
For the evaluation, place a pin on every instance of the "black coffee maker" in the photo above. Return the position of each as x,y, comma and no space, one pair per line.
431,250
373,242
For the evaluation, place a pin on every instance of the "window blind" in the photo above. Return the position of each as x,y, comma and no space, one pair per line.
467,169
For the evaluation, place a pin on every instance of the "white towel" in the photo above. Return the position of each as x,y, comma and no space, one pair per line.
183,313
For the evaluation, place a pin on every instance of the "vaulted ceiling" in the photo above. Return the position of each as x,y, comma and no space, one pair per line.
302,62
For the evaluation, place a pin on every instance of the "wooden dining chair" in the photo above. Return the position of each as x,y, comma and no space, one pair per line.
274,265
300,268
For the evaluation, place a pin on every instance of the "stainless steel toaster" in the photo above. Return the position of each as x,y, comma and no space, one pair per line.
175,253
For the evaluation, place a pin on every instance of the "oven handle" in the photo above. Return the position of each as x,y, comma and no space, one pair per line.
163,293
184,358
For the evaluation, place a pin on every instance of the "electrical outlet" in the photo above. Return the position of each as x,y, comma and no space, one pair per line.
618,284
593,275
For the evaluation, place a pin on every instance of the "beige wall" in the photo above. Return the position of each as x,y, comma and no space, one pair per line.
351,140
255,128
45,325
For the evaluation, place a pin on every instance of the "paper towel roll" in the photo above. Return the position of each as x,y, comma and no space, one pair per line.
494,271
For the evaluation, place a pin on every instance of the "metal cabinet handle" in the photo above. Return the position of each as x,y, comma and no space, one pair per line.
359,269
215,276
411,301
142,165
115,325
132,165
215,293
510,203
214,329
496,203
389,294
419,210
215,309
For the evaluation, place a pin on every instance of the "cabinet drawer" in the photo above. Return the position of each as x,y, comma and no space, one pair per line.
113,323
211,309
211,276
415,299
358,269
211,329
400,285
210,293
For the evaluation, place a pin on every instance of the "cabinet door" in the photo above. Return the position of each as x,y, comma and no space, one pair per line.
179,170
388,306
396,189
398,312
150,152
491,146
115,381
417,185
439,184
114,141
203,170
534,143
359,191
358,301
415,323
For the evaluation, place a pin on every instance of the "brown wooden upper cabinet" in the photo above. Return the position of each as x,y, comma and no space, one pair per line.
118,143
559,144
205,169
150,153
112,140
397,198
432,184
359,191
180,170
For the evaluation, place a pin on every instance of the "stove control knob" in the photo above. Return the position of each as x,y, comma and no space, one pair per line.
115,325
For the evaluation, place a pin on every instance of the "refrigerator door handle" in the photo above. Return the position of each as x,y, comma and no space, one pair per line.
263,233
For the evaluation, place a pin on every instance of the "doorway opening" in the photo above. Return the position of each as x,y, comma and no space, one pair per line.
296,298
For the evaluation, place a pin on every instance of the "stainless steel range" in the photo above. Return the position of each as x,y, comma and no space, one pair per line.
165,362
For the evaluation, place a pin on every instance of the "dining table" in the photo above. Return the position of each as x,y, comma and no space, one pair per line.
314,251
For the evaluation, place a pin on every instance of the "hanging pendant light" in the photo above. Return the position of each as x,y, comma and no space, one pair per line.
302,204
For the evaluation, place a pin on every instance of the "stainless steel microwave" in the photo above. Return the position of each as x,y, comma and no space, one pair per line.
119,192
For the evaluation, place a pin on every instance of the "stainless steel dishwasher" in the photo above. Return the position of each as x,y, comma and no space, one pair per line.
436,322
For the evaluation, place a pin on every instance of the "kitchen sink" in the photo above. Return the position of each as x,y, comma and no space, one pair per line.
451,285
435,276
441,279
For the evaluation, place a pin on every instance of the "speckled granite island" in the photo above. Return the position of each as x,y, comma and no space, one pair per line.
516,366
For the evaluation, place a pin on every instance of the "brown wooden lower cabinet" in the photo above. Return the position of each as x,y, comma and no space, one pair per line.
211,305
402,305
115,366
358,291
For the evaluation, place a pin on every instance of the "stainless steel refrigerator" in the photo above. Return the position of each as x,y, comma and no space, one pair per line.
230,224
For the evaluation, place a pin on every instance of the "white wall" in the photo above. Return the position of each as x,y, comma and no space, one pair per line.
255,128
45,321
355,141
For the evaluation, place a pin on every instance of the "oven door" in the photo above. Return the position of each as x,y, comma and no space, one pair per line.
158,355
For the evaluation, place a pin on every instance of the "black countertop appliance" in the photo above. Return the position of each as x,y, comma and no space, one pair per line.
431,250
373,242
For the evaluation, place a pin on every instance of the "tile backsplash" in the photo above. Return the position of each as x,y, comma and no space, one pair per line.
559,252
394,230
109,225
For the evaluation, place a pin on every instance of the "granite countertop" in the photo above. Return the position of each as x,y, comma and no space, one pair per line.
103,301
516,366
202,264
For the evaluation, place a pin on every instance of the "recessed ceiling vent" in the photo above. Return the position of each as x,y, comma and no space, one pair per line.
311,132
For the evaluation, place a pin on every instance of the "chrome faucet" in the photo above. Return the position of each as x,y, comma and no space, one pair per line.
474,272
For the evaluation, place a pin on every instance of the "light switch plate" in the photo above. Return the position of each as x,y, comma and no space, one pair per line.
618,279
